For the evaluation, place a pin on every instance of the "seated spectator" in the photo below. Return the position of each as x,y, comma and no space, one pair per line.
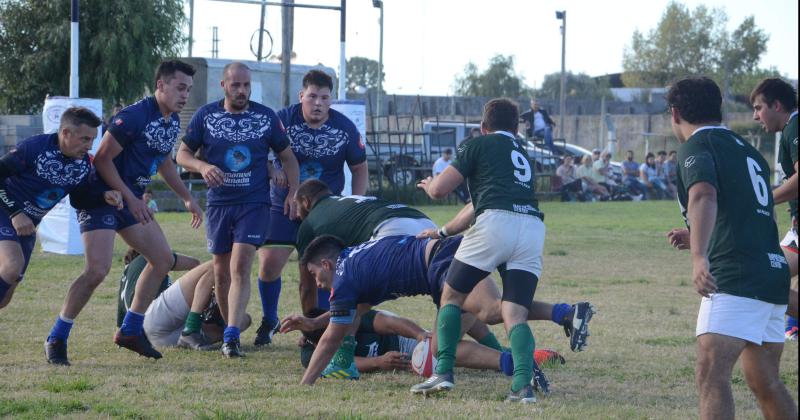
671,172
586,174
662,168
601,172
630,177
648,173
147,197
570,184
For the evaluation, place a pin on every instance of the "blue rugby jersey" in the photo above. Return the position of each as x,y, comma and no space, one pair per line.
147,138
238,144
321,153
377,271
42,176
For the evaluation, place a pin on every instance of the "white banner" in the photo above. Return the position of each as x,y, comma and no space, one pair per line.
356,111
59,232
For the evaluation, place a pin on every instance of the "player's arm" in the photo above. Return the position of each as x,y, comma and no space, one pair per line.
360,178
292,170
327,346
9,166
308,289
169,172
212,175
787,190
701,213
103,161
387,323
443,184
183,262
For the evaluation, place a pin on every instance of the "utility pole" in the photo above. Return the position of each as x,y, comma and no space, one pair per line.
379,4
191,26
74,46
261,31
287,15
562,96
342,61
214,42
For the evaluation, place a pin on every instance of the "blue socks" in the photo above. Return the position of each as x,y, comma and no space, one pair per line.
230,334
507,363
270,294
324,299
560,311
60,329
132,324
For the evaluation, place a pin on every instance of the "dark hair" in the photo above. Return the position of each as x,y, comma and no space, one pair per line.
697,99
662,153
312,190
776,89
325,246
130,256
649,155
673,152
501,114
78,115
317,78
448,151
166,70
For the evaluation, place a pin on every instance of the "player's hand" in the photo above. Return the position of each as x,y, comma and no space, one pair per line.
197,212
429,233
296,323
212,175
113,198
393,360
23,224
678,238
424,335
290,206
140,211
278,177
423,184
302,341
704,282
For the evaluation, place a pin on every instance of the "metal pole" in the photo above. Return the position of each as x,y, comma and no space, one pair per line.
342,60
191,27
73,50
562,105
286,51
261,31
380,68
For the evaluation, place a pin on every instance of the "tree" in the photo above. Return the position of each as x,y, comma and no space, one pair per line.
578,86
692,43
498,80
121,43
363,72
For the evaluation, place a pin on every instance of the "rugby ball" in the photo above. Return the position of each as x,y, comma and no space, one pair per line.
423,362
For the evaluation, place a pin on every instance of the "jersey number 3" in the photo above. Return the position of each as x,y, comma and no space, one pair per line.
759,185
523,168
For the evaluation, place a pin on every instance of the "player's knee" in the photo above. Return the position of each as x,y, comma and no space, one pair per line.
161,263
10,271
94,274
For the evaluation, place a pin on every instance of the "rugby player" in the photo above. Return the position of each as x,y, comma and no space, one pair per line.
236,135
34,177
323,140
737,265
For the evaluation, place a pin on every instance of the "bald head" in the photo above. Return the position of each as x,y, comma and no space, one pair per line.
233,67
236,85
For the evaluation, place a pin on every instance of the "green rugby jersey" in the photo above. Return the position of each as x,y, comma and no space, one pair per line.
744,254
499,174
787,153
127,286
353,219
371,344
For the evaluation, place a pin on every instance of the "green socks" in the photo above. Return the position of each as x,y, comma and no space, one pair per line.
346,354
448,328
192,324
522,346
490,340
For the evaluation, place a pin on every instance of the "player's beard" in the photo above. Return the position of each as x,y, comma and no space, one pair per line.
239,103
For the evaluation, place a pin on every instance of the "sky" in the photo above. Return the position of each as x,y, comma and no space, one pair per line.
427,43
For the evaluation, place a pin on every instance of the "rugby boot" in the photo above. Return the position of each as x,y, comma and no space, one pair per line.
435,384
265,332
136,343
523,396
56,352
232,349
577,329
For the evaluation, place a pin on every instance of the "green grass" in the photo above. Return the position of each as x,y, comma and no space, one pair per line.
640,363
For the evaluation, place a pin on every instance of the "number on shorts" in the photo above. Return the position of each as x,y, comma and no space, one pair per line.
759,184
523,172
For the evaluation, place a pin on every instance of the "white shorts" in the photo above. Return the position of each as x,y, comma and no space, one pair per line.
500,236
401,226
790,240
752,320
166,316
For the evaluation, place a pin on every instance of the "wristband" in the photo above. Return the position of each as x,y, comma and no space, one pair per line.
443,232
174,261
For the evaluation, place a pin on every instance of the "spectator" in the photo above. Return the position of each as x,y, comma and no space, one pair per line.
443,162
538,124
569,182
586,174
595,154
601,171
671,171
662,168
147,197
630,177
648,173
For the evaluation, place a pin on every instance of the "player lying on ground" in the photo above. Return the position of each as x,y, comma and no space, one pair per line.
185,313
34,177
377,271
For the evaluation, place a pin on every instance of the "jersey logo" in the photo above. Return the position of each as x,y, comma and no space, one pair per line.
51,167
161,138
6,231
49,198
252,126
238,158
775,260
689,161
118,121
327,142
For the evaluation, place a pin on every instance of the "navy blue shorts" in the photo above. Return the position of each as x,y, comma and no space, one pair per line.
238,223
8,233
442,255
281,230
105,217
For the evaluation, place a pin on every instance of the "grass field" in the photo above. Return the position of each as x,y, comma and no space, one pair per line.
640,363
